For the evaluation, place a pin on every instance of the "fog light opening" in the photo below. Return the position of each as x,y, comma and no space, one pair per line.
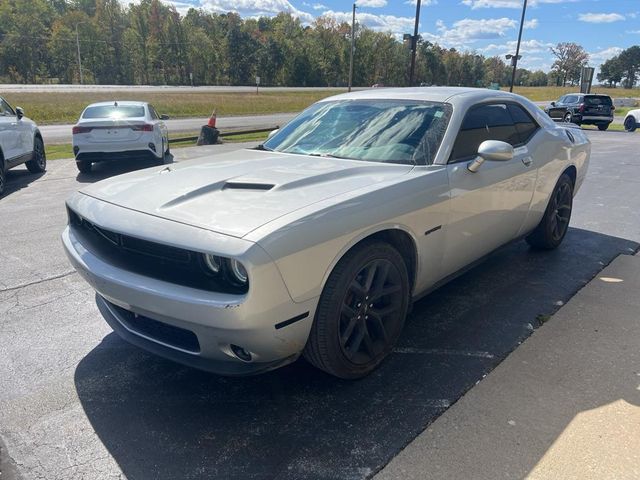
152,146
241,353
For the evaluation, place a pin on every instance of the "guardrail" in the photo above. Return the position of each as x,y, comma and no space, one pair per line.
228,133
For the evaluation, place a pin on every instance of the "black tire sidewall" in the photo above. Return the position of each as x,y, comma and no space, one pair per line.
3,178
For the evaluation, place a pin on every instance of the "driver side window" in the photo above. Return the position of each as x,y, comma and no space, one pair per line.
483,122
5,109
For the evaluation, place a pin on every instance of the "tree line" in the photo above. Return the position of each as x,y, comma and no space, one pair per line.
151,43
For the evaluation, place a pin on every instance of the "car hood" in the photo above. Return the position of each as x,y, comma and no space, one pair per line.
238,192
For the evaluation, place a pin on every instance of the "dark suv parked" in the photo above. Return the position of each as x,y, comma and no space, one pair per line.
582,108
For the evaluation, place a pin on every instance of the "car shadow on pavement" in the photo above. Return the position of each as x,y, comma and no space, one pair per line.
161,420
17,179
107,169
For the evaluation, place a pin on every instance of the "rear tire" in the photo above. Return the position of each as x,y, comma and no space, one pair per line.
3,177
603,126
361,312
630,124
554,224
84,166
38,163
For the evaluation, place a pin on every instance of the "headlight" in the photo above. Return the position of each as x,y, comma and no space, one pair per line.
212,262
233,271
238,272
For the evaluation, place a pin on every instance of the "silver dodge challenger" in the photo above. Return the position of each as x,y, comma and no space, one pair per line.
317,241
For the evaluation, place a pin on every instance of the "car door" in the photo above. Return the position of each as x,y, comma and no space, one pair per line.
557,111
9,138
488,207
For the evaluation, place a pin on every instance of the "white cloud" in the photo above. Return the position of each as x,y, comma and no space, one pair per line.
531,24
319,6
467,31
600,56
381,23
633,31
255,8
600,17
474,4
371,3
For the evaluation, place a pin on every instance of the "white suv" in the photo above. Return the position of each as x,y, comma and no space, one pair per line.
20,142
119,131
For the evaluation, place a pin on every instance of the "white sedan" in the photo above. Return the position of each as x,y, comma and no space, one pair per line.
119,131
317,242
632,120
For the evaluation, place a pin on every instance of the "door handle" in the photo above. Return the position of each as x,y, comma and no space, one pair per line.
527,161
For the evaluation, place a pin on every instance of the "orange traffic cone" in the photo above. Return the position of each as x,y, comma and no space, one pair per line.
212,119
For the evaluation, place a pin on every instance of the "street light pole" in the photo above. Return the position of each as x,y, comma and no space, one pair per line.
515,59
79,61
414,45
353,43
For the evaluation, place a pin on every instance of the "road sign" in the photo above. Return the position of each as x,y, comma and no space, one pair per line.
586,78
257,80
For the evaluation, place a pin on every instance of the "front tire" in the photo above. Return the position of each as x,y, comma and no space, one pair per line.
361,312
630,124
568,117
603,126
38,163
555,222
84,166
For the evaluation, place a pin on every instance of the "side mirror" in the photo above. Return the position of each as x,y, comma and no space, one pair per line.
553,104
272,133
492,151
164,117
19,112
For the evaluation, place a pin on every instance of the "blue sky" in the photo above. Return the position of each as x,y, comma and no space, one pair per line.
490,27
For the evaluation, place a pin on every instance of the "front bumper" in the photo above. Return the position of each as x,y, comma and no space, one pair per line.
255,321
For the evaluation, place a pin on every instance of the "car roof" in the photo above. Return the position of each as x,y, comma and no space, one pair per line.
119,102
434,94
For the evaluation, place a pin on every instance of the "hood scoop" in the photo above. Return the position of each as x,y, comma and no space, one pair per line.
247,186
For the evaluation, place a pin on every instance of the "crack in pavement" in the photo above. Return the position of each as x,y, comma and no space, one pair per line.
36,282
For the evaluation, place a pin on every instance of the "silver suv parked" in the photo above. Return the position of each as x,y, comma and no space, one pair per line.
20,142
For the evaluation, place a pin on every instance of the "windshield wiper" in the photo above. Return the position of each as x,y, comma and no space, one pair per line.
262,147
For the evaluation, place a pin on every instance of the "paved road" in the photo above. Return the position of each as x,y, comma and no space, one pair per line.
57,134
78,402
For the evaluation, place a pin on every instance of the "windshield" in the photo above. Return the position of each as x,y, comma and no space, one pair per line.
389,131
112,111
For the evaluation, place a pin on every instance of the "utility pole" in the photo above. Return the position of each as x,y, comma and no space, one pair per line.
353,44
79,61
514,61
414,45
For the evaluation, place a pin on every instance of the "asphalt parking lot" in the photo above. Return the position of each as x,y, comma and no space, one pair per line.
78,402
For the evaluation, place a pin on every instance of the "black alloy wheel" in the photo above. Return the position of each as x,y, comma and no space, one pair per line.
371,312
361,311
554,224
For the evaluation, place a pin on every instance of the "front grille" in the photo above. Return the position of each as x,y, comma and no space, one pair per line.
162,332
151,259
